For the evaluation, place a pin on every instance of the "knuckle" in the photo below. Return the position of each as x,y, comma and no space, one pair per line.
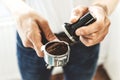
81,7
76,11
88,44
29,34
50,36
25,43
105,34
102,38
39,55
109,23
92,42
84,31
32,23
100,22
99,25
23,18
79,10
44,21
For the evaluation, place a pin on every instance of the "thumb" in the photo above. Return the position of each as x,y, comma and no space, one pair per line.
77,13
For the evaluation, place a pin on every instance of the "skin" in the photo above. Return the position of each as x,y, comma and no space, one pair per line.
31,24
95,32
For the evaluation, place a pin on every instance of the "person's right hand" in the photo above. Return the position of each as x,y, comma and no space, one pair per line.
94,33
30,26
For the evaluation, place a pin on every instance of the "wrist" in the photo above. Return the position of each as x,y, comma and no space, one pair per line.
104,7
17,7
21,9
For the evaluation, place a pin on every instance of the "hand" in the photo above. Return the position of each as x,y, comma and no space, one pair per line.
30,26
95,32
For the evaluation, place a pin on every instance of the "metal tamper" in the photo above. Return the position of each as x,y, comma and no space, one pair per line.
70,29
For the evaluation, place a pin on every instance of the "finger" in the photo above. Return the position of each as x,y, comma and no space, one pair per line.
96,26
37,45
77,13
101,32
86,30
44,26
27,44
35,38
107,21
90,36
87,41
94,38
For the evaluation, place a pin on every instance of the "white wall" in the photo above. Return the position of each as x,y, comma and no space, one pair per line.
8,61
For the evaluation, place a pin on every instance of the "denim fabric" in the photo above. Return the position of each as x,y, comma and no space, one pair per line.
81,66
82,62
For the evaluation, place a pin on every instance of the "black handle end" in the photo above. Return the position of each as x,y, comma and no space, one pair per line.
85,20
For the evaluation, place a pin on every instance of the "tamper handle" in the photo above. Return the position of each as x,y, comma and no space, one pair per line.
83,21
87,19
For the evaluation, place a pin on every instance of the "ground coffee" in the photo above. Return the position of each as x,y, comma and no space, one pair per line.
57,48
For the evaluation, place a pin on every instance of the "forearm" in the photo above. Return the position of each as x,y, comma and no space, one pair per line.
16,6
109,5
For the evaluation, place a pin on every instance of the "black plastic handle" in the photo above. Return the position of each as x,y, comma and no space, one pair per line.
83,21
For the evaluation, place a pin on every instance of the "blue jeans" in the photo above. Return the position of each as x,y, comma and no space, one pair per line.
81,66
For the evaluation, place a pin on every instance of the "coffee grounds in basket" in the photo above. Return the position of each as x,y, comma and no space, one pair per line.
57,48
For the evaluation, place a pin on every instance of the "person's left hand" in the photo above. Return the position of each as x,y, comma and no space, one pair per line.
95,32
